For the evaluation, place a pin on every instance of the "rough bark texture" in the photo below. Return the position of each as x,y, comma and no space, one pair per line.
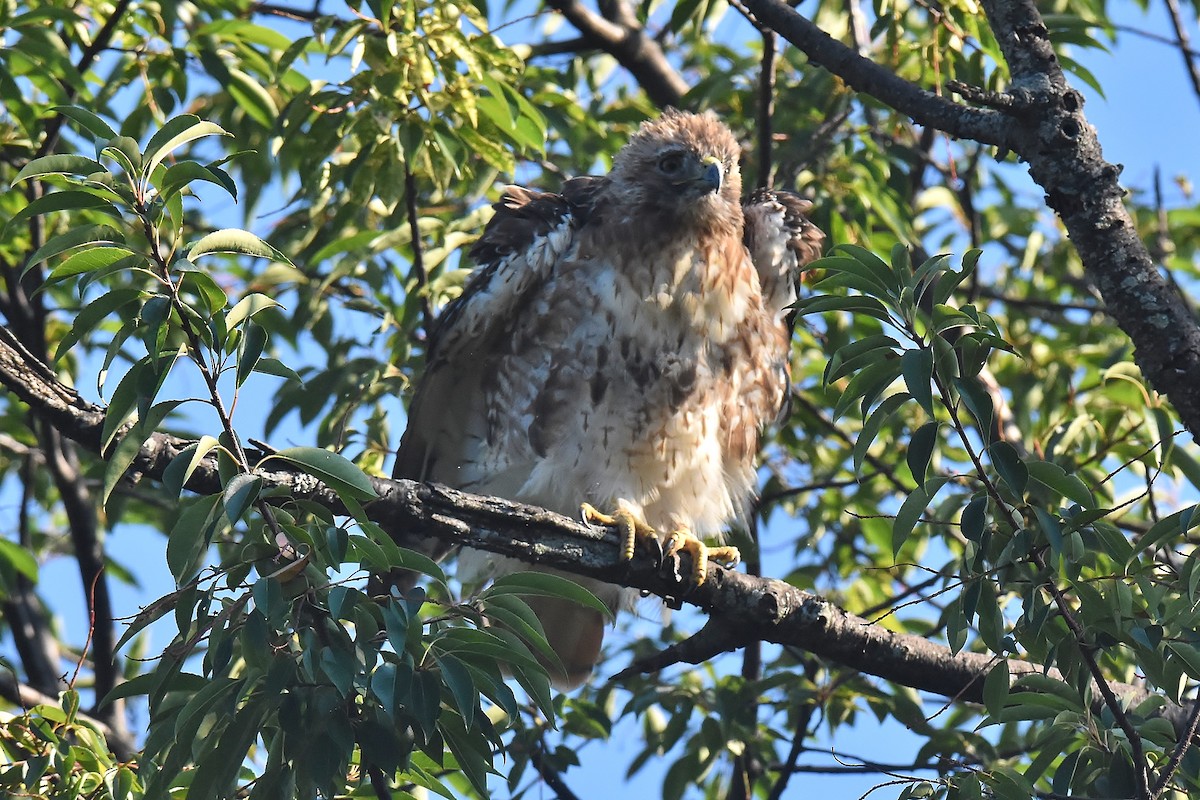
742,608
1040,118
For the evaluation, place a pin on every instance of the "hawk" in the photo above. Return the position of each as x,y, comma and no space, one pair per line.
620,346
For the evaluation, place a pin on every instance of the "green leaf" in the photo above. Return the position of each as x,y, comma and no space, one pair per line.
175,133
93,314
458,678
233,240
920,450
917,368
873,424
995,688
190,536
335,471
1057,480
911,510
850,303
17,558
546,585
1008,464
1174,527
979,403
149,614
179,176
66,200
254,340
88,121
974,516
124,398
273,366
127,450
247,307
76,237
252,98
867,385
93,259
124,150
859,355
240,494
58,165
851,274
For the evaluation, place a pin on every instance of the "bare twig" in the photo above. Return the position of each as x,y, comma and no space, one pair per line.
103,37
1185,46
418,253
549,774
1181,747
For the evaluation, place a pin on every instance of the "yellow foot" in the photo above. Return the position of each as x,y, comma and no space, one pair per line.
630,526
632,529
685,540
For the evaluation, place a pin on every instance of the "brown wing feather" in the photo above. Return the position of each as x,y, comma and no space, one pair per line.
517,253
781,242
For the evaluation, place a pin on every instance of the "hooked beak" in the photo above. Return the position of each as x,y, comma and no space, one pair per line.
713,173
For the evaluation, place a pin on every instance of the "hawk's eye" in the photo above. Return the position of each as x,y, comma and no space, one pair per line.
671,163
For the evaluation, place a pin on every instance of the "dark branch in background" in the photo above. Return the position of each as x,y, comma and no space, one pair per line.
288,12
1185,46
925,107
619,34
1156,37
418,254
742,608
1181,748
549,774
803,721
766,109
27,618
1041,119
26,316
103,37
563,47
764,113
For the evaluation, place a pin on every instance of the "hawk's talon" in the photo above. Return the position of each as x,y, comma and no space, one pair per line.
631,529
683,540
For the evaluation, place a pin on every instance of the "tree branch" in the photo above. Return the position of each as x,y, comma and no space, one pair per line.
925,107
1042,121
626,41
743,608
1184,45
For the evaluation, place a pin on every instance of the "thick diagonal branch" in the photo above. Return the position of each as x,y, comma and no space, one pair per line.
749,608
621,36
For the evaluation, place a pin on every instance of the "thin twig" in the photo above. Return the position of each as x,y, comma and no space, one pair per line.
287,12
1181,748
551,776
766,108
103,37
1185,47
418,255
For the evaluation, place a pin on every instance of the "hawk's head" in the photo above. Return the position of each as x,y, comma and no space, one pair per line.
683,167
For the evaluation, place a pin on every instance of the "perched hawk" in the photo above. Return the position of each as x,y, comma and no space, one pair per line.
621,345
